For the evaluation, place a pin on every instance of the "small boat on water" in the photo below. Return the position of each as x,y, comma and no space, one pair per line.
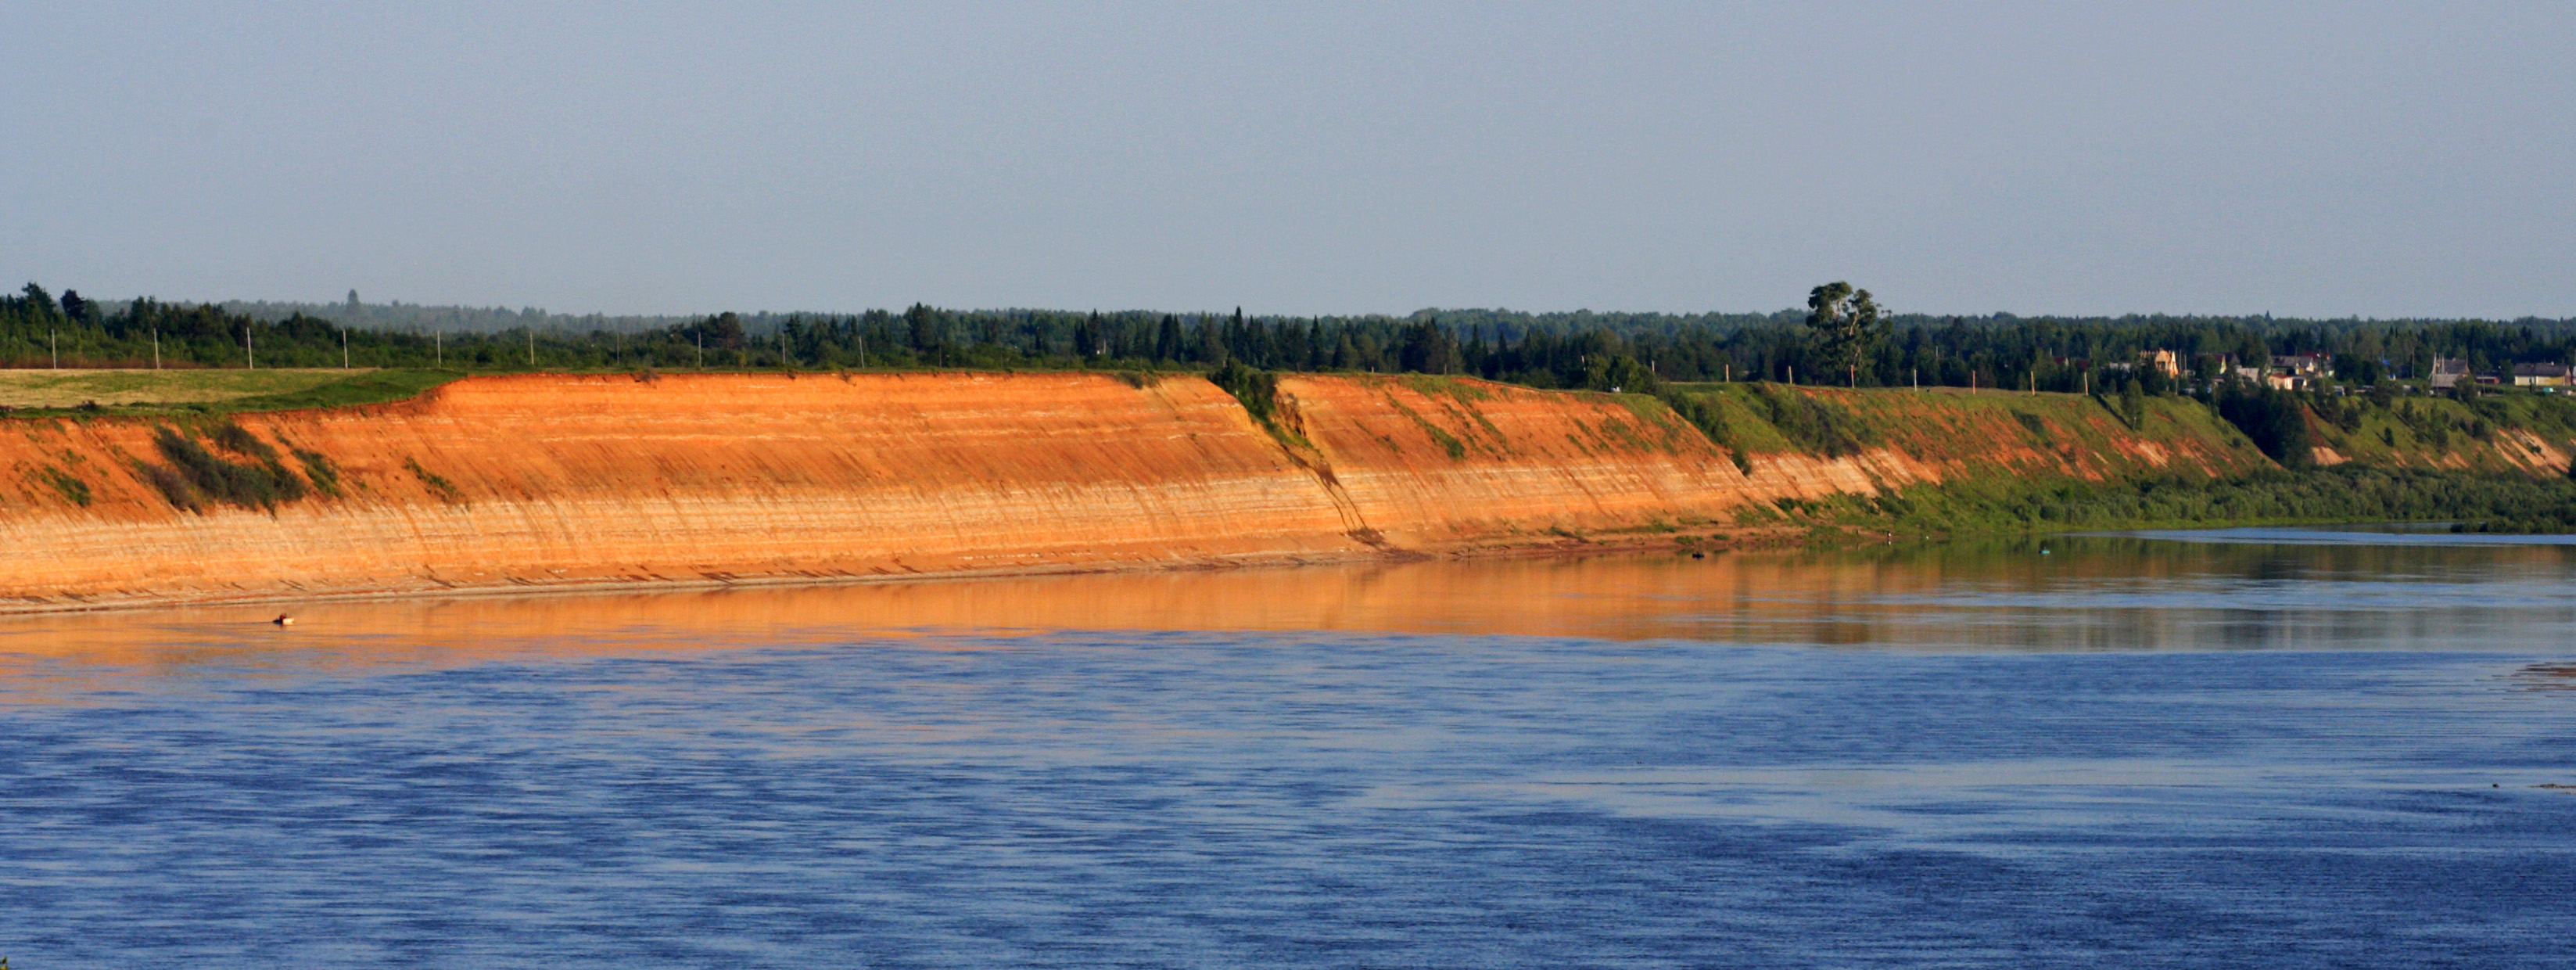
283,620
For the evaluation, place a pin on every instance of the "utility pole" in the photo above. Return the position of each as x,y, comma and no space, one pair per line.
344,348
702,350
532,346
156,348
250,354
438,345
54,346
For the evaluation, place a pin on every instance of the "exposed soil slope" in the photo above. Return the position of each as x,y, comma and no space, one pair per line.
554,479
1441,462
2496,433
1941,434
545,479
1436,462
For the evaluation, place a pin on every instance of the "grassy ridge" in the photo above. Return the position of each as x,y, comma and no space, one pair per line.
365,387
71,388
156,393
2498,433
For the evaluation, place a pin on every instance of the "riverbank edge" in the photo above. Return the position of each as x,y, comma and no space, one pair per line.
1796,498
1766,539
1554,548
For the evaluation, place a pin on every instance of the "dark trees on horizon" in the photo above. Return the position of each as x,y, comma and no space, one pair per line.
1850,341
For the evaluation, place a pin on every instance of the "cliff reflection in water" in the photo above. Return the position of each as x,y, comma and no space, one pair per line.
1961,755
2059,593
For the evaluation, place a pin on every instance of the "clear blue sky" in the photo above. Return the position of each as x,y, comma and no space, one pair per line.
2312,159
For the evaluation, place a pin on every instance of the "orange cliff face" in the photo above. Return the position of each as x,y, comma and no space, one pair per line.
1945,434
546,479
1441,462
1434,461
539,480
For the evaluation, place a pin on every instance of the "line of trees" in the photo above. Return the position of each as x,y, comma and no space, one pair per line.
1844,339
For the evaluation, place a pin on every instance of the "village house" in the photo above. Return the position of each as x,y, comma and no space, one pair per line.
2312,366
2540,375
2161,360
2447,371
2295,372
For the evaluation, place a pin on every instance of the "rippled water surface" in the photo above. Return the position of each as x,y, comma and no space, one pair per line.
2272,750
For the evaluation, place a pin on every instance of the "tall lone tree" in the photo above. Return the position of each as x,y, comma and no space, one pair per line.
1845,324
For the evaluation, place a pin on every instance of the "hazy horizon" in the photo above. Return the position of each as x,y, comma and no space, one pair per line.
2307,161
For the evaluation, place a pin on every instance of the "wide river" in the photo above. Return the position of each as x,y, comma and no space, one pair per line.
2276,749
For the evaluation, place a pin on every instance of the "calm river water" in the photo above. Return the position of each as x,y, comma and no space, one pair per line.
2266,749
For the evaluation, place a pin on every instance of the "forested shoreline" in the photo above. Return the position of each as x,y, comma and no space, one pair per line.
1566,350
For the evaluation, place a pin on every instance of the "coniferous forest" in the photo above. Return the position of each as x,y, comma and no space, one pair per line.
1556,350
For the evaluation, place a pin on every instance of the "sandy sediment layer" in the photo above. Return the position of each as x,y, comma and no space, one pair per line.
1440,462
541,480
548,479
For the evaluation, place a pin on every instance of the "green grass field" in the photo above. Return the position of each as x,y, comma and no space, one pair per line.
50,392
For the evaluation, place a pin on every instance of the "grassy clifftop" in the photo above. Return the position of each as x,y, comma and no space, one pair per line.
183,391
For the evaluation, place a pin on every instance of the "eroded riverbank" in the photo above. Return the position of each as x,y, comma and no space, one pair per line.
553,481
